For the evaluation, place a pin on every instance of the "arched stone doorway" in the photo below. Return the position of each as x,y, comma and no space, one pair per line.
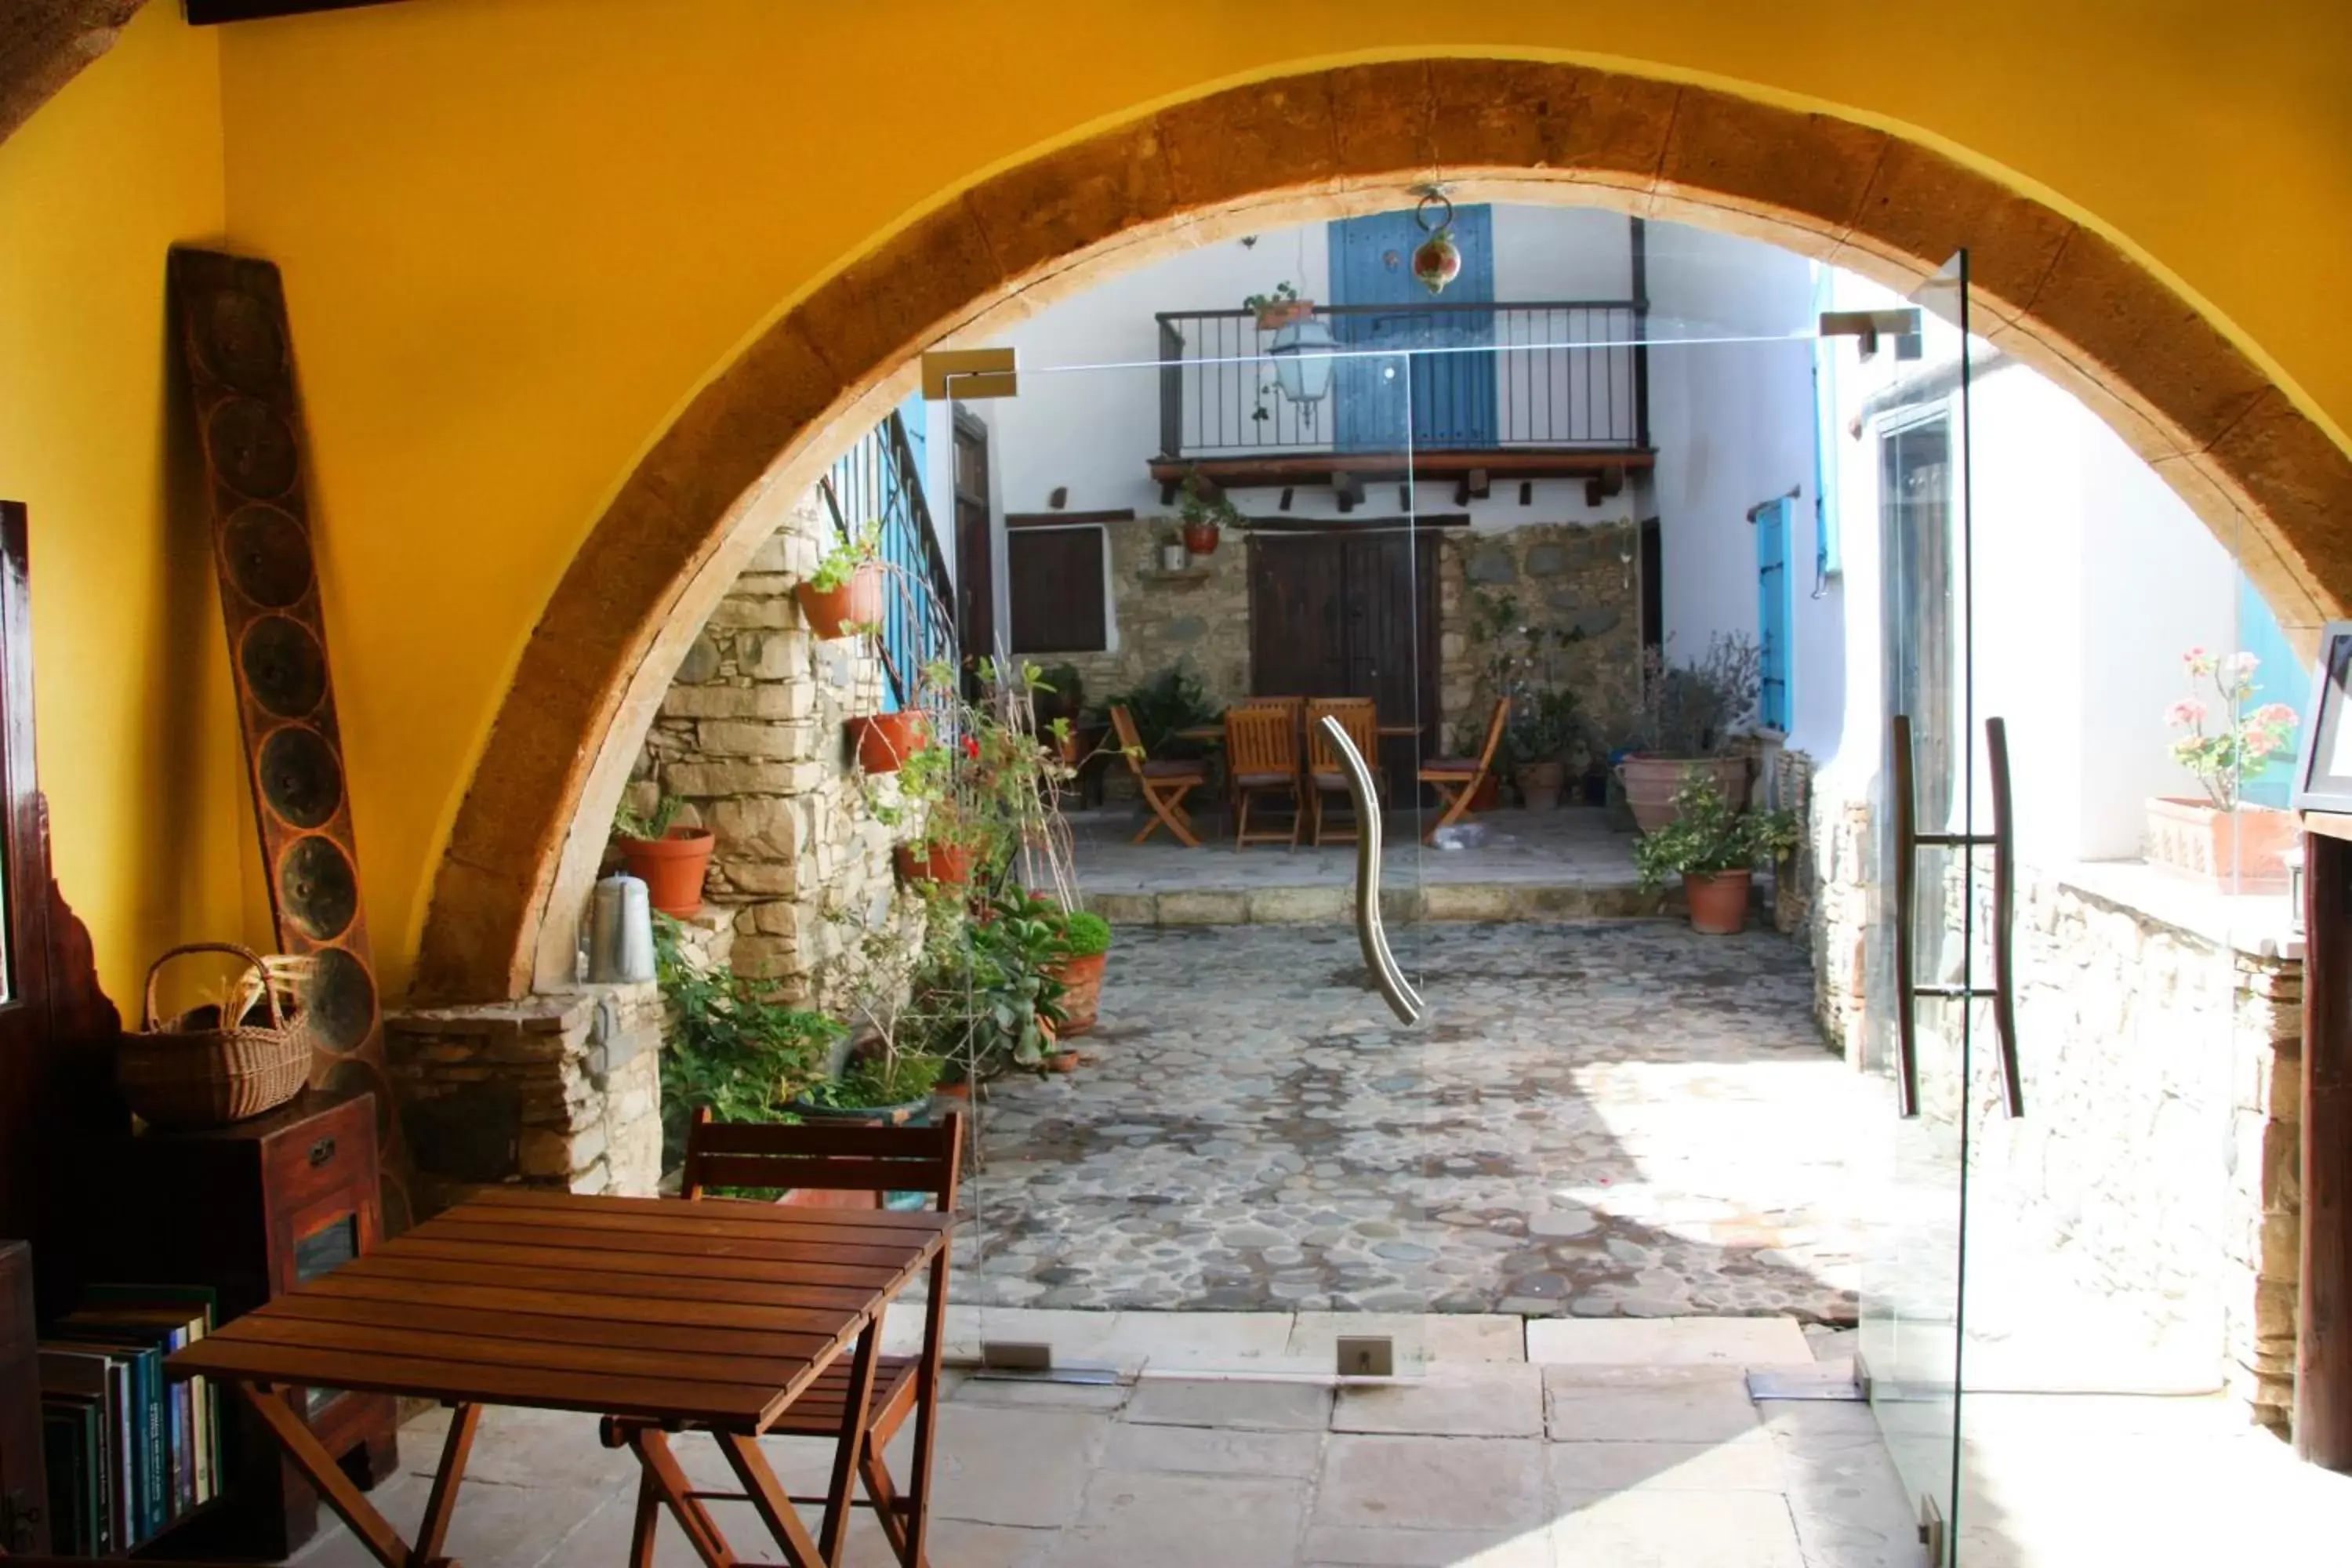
2058,296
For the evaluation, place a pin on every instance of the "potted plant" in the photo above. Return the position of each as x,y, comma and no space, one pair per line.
730,1044
1714,848
1689,716
1279,306
1085,941
1205,512
1543,727
669,857
2224,840
886,740
844,595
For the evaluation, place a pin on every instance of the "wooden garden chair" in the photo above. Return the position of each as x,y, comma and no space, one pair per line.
771,1158
1262,758
1456,779
1164,784
1326,774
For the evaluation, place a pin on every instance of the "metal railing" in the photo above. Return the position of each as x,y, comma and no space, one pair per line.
1564,375
878,481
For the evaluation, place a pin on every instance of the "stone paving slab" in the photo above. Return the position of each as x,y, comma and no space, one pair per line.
1601,1119
1669,1342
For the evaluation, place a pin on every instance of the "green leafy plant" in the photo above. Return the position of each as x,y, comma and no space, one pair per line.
730,1045
1282,293
2246,737
1544,725
629,823
1708,836
841,563
1171,700
870,1082
1197,504
1086,933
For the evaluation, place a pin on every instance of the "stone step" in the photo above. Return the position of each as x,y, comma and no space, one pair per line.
1334,903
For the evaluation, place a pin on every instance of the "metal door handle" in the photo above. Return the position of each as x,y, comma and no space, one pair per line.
1402,1000
1906,855
2004,916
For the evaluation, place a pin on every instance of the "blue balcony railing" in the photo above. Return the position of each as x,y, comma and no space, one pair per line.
879,480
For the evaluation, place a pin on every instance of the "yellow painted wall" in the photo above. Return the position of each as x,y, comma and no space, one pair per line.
517,233
137,736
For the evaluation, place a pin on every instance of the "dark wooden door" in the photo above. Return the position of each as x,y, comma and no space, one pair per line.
975,554
1350,613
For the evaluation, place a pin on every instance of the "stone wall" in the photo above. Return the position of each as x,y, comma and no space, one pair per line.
750,736
1561,576
2144,1214
550,1091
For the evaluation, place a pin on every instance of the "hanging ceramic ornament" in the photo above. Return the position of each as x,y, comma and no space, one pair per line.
1437,261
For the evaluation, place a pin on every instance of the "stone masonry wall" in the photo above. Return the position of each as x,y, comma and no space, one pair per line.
1200,616
2148,1202
750,736
1561,576
550,1091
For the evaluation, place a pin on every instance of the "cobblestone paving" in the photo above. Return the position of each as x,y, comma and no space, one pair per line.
1603,1120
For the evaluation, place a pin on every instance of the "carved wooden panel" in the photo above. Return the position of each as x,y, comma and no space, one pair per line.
230,315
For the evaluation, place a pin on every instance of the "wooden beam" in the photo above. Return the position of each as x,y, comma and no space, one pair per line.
1471,486
1350,486
1067,519
1601,486
1290,525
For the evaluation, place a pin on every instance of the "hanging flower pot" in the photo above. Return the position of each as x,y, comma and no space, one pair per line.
947,864
671,868
884,741
841,611
1274,317
1200,538
1437,260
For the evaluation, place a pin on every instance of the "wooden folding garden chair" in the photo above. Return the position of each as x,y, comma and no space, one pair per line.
768,1157
1326,774
1456,779
1164,784
1262,758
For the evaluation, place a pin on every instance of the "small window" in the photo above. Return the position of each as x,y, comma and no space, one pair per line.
1054,585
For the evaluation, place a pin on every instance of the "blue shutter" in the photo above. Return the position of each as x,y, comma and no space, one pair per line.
2282,677
1772,607
1453,394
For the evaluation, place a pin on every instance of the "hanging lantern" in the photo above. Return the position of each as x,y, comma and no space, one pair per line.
1437,261
1302,353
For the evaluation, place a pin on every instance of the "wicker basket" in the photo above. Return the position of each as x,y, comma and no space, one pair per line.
191,1072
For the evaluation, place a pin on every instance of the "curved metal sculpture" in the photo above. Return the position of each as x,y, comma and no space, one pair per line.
1402,1000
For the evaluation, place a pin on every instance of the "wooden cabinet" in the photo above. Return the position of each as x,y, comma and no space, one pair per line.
251,1210
23,1495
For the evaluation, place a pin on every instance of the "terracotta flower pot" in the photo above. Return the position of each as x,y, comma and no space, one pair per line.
1081,981
671,868
950,864
2240,851
1061,1061
884,741
1718,902
1539,784
836,611
1200,538
1273,318
1650,783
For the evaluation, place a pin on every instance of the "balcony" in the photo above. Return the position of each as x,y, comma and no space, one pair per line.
1468,393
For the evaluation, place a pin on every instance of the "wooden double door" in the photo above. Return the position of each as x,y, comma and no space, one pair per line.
1352,612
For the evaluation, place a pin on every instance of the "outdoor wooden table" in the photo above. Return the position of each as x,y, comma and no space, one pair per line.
1214,734
709,1315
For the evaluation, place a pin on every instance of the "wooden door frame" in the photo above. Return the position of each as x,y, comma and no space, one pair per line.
975,579
1427,630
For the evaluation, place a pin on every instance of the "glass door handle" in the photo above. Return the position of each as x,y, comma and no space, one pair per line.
1906,869
2004,917
1402,1000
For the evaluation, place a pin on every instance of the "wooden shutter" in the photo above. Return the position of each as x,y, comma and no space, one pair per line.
1054,589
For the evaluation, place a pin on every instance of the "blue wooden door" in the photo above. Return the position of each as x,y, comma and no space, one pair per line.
1453,392
1772,609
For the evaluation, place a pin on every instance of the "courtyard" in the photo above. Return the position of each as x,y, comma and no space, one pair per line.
1612,1119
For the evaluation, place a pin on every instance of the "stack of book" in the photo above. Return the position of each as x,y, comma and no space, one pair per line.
130,1452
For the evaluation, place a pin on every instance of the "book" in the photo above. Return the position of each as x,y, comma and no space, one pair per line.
146,1403
90,1376
198,1307
72,1447
186,1440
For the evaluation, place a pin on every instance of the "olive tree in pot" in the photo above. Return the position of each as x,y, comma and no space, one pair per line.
1543,728
1690,713
1715,848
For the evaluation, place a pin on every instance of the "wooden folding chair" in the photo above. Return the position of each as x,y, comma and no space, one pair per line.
1262,758
1456,779
765,1156
1164,784
1326,774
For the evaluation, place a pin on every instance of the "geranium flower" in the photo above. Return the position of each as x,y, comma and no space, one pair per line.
2188,711
972,748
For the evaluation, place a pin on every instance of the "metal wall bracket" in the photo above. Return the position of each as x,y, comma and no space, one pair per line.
964,374
1869,326
1367,1356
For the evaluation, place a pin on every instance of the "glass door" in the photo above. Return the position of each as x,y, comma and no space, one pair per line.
1185,573
1932,814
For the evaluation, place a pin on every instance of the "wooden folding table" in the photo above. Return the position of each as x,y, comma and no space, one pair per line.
685,1314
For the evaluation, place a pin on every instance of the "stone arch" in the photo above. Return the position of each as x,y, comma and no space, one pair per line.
2049,290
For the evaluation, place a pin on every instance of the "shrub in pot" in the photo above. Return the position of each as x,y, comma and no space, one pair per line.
730,1045
1085,936
1688,716
844,595
1714,847
669,857
1205,512
2222,839
1543,728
